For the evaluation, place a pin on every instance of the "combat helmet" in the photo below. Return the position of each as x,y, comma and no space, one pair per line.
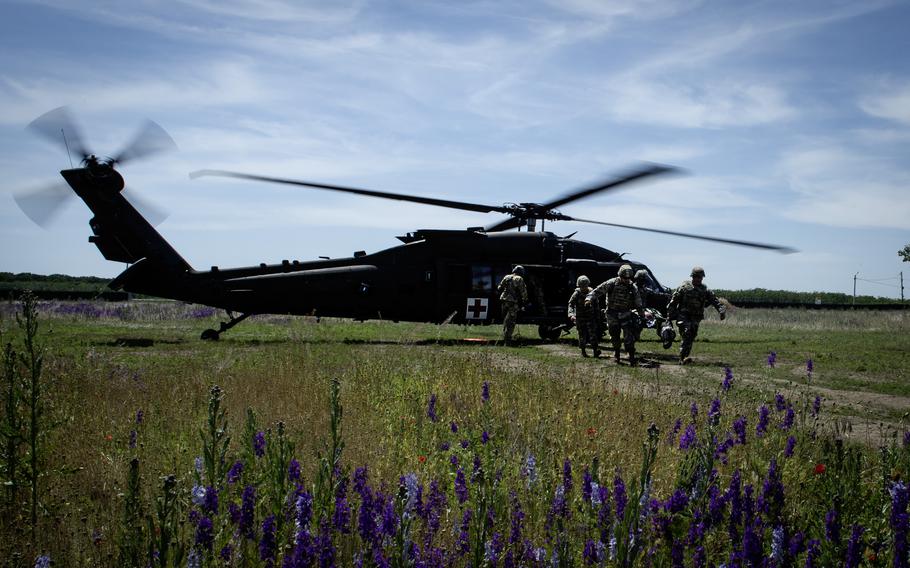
519,270
625,270
583,281
641,275
697,271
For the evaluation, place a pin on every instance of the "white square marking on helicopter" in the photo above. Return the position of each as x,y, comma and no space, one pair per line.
478,308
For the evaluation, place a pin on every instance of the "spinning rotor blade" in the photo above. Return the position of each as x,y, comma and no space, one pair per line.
383,194
43,204
151,139
153,214
59,127
777,248
541,211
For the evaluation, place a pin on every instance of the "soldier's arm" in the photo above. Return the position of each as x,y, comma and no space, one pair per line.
636,297
673,305
572,302
524,292
717,305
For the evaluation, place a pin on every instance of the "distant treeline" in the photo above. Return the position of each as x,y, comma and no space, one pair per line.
88,286
759,295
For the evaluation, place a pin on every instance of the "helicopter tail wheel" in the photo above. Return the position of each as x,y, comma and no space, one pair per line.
210,335
549,332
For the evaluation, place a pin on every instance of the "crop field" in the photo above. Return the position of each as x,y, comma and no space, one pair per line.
127,441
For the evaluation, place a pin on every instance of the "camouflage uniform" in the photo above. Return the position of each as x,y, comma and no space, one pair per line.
621,298
687,308
513,294
586,316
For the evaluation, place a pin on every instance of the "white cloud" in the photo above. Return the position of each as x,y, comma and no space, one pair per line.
891,102
836,186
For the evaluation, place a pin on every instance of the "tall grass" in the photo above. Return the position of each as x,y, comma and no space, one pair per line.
520,462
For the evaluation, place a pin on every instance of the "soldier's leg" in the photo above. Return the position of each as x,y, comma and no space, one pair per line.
583,338
629,334
594,336
687,333
615,331
510,312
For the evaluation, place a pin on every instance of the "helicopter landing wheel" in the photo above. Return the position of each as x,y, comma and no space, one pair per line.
549,333
210,335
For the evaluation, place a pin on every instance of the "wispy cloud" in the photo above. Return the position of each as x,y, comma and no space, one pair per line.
891,101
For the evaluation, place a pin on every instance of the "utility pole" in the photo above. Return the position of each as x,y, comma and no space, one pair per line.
902,285
854,288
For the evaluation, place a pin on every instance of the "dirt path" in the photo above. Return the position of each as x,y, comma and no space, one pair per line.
852,420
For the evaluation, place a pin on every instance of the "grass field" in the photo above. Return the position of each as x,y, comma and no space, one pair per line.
553,427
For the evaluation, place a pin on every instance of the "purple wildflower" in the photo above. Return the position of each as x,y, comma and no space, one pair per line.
294,470
772,359
464,444
586,486
778,540
796,544
453,426
304,511
247,511
810,366
485,437
517,519
619,495
139,416
210,502
461,486
854,547
832,527
671,437
268,546
693,410
492,549
813,549
485,392
444,447
900,521
453,459
728,379
463,544
133,435
567,476
789,417
791,444
197,495
739,428
529,469
43,561
235,472
677,502
341,520
227,553
324,544
816,406
714,411
907,439
687,439
204,534
780,402
763,414
259,444
431,408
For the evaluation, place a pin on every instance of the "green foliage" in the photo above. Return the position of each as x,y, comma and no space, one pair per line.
215,441
904,253
789,297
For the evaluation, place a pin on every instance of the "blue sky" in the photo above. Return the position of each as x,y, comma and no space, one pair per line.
791,119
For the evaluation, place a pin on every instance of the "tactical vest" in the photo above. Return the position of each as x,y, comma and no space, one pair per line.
620,296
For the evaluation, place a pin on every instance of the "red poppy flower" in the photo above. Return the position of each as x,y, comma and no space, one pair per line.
820,468
108,437
422,459
591,432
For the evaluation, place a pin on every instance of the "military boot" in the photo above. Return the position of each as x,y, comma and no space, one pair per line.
632,360
616,355
583,352
596,352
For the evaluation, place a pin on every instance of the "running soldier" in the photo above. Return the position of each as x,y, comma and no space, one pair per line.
513,294
585,315
622,298
687,308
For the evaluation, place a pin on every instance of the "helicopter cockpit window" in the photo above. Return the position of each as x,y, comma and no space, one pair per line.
481,279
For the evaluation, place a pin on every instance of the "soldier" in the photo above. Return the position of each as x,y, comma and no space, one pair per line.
585,315
687,308
513,294
622,298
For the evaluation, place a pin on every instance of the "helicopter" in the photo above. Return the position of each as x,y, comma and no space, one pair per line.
435,275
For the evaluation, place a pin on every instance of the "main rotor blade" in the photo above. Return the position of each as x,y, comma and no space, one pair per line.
150,139
646,170
383,194
541,211
59,127
776,248
43,204
154,214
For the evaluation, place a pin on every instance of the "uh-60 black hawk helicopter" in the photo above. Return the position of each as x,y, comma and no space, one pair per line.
434,276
